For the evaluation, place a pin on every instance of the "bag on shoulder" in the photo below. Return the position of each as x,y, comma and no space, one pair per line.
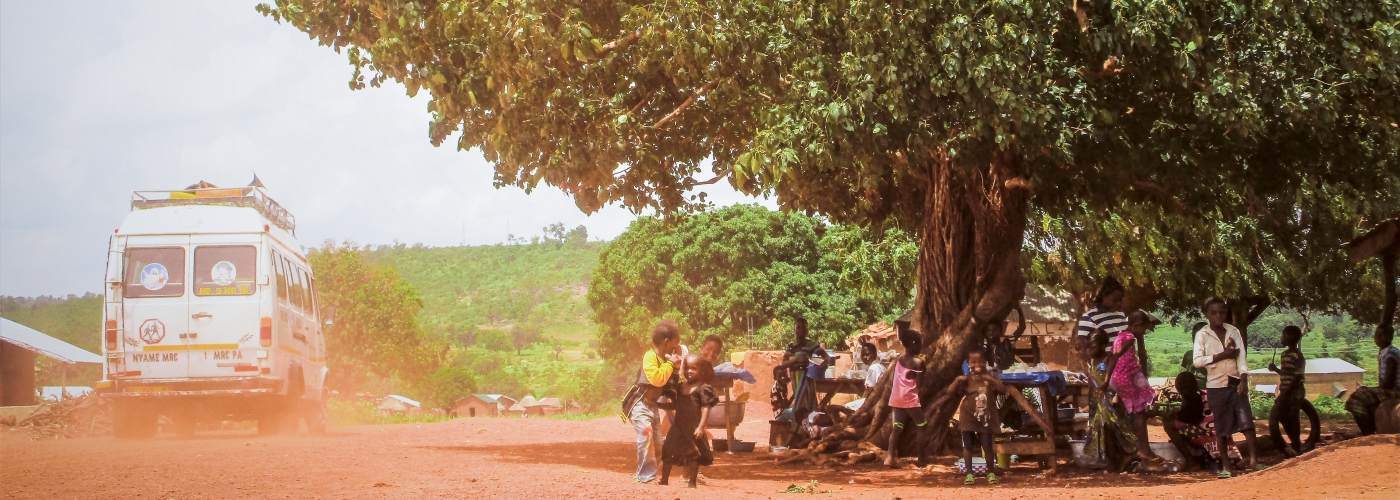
641,390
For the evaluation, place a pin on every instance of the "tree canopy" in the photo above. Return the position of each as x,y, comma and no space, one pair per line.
722,271
1208,125
1242,138
375,332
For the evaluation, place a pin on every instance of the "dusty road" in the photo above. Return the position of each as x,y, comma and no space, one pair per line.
546,458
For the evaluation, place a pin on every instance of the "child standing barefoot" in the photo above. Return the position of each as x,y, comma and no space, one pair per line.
977,414
685,443
904,398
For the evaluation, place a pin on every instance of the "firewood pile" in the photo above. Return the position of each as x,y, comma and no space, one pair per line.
74,417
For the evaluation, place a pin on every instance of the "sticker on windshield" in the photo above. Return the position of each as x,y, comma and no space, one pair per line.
154,276
223,273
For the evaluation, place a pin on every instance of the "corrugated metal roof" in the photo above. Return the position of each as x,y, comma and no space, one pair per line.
404,400
489,398
37,341
1043,305
1323,365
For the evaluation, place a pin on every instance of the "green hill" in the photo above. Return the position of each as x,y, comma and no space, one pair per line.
75,320
470,288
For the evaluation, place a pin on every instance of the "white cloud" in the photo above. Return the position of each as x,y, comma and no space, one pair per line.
125,96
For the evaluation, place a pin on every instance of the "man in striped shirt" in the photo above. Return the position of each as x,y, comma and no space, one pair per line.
1107,313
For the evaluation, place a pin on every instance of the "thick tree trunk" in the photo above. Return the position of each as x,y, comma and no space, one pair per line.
969,275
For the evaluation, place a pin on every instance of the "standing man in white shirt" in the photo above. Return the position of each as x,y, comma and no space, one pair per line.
1220,349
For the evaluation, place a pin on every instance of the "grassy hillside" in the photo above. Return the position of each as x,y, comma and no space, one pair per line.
476,295
473,288
75,320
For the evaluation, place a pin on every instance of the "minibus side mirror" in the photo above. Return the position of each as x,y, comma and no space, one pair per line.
328,315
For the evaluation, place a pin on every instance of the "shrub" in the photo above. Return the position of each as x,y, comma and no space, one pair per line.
494,340
502,382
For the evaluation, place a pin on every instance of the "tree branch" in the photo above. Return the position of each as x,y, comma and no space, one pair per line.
1259,305
609,47
721,175
642,102
676,112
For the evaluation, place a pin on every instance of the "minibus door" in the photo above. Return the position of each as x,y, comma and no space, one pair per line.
225,307
156,303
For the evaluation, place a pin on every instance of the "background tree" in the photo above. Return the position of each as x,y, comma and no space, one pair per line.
716,271
448,385
958,121
524,334
376,334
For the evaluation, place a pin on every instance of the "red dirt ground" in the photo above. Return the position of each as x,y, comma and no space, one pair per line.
547,458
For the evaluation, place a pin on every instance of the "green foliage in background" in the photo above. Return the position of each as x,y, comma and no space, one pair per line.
375,333
494,340
470,290
448,385
1349,341
73,319
715,272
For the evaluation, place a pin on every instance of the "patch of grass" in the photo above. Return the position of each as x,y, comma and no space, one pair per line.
339,412
615,413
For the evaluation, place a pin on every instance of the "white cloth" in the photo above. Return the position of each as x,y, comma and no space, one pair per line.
873,374
1207,345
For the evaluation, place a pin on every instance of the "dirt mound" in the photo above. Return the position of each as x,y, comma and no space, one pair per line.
1356,468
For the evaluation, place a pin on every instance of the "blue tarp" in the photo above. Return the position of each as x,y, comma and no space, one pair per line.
1055,379
728,371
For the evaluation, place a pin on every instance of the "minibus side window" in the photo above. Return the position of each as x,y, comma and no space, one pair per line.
155,272
278,268
225,270
314,307
296,287
306,300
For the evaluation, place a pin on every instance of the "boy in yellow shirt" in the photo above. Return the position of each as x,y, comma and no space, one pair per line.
658,368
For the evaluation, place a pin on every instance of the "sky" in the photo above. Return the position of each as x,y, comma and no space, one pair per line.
99,99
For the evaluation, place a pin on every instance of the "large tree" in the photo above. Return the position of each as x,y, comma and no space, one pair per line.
724,271
375,332
959,121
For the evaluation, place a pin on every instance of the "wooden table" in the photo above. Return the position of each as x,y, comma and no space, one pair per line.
840,385
1043,418
724,386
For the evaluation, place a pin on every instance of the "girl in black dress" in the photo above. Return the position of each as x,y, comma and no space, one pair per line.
685,443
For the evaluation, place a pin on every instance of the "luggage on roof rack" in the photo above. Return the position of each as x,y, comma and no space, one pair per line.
254,197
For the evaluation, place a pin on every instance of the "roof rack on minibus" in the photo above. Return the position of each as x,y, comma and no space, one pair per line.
251,197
